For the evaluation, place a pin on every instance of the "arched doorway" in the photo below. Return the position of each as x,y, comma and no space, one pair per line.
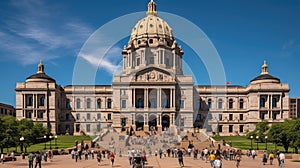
165,122
139,123
152,123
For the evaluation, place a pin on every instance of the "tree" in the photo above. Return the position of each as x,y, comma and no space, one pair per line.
293,133
261,129
10,133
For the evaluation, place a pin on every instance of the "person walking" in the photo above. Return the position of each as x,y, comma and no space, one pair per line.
38,160
112,158
99,156
281,158
180,157
2,158
30,160
212,158
265,158
271,157
253,154
160,153
238,160
218,162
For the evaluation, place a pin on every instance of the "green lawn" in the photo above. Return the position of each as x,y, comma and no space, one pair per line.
62,142
241,142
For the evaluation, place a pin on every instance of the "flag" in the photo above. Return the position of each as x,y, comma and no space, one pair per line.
228,83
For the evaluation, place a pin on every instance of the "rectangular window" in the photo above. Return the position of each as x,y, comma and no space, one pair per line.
241,104
230,117
209,116
220,116
181,103
241,128
78,116
274,102
109,116
67,116
230,128
138,62
88,128
151,60
220,129
88,116
262,115
68,105
123,103
241,117
99,116
98,127
40,114
77,129
199,105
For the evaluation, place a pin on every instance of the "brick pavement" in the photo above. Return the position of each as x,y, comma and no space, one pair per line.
153,162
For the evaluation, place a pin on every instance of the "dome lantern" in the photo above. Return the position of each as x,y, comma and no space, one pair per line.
152,8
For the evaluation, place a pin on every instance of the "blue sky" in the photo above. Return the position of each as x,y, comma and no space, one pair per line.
244,32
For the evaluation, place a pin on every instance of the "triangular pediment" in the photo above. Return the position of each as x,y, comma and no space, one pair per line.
153,74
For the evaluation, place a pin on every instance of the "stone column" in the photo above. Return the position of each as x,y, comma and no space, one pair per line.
171,98
24,105
146,126
145,98
133,97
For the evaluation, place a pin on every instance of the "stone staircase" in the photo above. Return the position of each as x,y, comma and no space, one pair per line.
120,143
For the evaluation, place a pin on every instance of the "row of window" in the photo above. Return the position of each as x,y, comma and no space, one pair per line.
230,103
230,128
88,116
87,127
263,102
89,103
40,103
262,115
230,117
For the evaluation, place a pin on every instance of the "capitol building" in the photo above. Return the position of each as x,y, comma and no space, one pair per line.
152,93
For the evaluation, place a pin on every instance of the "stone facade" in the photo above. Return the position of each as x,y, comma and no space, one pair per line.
152,93
7,110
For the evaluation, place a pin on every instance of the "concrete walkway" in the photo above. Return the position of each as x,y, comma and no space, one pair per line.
153,162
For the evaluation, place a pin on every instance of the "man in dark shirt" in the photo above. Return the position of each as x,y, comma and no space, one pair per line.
38,159
180,157
30,160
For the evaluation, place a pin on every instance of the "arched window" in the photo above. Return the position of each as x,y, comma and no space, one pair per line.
220,104
241,103
209,103
78,104
30,101
230,104
98,103
109,103
262,102
88,103
42,101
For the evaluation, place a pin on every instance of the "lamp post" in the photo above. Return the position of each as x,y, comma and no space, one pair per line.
45,137
266,137
257,137
251,137
50,141
55,138
21,143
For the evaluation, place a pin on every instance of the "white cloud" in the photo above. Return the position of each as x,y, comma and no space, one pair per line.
110,62
33,31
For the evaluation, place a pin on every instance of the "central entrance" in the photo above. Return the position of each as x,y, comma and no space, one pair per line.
139,122
152,123
165,120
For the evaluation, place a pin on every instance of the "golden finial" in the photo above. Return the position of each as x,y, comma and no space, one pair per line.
40,67
265,68
152,8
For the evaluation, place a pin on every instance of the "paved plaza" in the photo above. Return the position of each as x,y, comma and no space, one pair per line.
65,161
